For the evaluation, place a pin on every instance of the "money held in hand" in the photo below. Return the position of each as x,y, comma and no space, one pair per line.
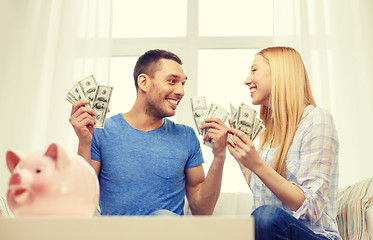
246,120
89,87
98,96
199,110
200,113
101,103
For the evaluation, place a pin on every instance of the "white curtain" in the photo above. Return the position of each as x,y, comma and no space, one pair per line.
335,40
46,46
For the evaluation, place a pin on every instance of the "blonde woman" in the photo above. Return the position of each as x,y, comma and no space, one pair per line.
294,173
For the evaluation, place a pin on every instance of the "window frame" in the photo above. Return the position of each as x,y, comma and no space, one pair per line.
187,48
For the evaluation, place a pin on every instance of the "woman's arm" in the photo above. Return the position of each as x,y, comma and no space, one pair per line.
243,150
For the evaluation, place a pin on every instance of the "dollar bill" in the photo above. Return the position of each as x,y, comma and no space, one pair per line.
75,94
257,123
88,86
245,119
234,116
215,111
84,89
69,99
248,123
199,110
101,103
259,131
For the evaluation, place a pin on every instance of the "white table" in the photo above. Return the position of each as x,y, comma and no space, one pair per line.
128,227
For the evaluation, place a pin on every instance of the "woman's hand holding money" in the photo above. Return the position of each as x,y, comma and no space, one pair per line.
243,149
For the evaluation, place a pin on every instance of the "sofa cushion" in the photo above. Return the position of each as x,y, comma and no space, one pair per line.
237,203
229,203
353,204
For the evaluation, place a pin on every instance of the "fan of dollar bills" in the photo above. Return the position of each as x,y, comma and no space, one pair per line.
244,119
98,96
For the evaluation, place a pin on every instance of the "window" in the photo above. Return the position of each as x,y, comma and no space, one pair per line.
121,73
235,18
216,41
146,18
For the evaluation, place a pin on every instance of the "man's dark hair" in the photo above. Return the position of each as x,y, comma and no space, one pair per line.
148,63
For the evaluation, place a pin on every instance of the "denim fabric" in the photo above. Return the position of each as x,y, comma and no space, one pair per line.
272,222
163,212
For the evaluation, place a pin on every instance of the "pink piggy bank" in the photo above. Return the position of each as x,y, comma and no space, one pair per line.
51,183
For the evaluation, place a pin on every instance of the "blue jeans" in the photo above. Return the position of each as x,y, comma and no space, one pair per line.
272,222
163,212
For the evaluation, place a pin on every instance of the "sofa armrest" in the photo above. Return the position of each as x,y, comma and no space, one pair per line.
354,204
369,219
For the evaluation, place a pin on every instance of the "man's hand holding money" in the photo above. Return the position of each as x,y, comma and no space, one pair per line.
216,133
83,120
98,97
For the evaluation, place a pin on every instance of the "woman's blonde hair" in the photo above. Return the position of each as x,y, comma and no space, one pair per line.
290,94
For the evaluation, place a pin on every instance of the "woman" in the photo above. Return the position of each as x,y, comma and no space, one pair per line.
294,175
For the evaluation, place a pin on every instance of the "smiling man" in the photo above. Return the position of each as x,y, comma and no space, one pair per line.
146,163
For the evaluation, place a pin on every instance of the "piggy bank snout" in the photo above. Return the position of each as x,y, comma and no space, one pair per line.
15,179
21,177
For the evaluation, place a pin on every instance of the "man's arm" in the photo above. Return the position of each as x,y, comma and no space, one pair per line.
203,193
96,166
83,121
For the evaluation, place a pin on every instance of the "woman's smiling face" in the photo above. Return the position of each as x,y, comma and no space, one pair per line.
260,81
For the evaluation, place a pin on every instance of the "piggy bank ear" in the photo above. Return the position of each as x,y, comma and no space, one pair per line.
12,160
57,154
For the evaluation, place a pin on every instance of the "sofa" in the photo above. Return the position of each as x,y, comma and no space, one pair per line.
354,218
230,204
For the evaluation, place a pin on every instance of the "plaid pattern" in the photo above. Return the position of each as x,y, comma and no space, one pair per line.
353,203
312,165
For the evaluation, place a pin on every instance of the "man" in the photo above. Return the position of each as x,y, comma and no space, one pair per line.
144,161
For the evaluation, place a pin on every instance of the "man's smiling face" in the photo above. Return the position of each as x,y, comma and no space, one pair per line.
166,89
